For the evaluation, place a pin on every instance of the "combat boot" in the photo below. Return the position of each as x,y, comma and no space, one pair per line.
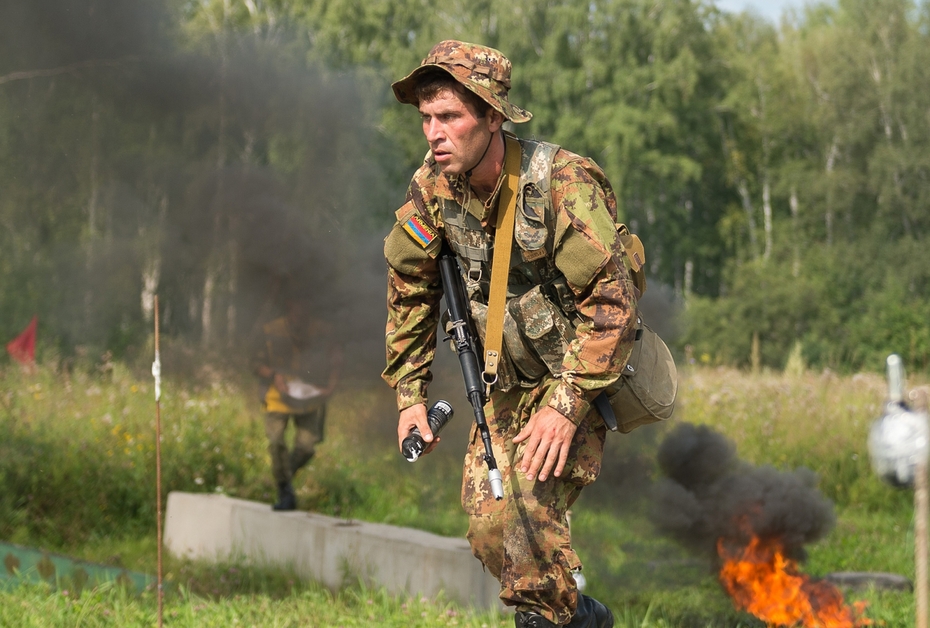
532,620
591,614
287,499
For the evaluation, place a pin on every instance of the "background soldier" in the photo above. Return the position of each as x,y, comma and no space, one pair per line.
295,356
568,268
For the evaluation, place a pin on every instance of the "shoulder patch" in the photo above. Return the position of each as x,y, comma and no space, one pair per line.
421,232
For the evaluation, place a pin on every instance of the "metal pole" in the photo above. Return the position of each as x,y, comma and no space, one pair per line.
920,524
156,373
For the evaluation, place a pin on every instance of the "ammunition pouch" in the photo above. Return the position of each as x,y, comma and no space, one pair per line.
646,390
546,333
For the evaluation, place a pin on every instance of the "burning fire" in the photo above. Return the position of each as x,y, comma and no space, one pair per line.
762,581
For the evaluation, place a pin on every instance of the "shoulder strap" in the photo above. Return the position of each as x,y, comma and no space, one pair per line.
636,253
500,264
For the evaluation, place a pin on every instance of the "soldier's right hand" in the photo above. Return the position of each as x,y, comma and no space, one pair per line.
415,417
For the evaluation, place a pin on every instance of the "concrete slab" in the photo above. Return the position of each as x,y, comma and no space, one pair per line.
862,580
329,550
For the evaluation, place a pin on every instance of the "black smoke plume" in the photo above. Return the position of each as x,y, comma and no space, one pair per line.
219,171
708,494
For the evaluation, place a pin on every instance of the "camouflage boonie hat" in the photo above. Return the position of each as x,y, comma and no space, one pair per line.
482,70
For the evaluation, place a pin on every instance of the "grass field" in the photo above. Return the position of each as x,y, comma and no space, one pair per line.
77,477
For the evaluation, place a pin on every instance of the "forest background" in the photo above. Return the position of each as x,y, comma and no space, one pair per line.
215,151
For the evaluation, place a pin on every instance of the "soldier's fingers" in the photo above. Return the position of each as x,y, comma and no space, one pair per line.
563,458
524,433
526,458
528,454
539,457
425,432
414,416
528,434
553,455
431,446
527,430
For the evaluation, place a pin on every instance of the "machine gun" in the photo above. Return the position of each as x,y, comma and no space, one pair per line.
464,341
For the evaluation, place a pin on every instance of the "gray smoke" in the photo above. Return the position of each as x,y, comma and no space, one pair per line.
709,494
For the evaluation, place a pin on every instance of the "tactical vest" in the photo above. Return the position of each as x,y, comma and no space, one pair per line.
540,303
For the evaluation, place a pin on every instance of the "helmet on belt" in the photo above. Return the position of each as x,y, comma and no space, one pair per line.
482,70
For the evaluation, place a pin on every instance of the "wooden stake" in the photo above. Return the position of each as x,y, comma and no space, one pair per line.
156,373
920,524
920,542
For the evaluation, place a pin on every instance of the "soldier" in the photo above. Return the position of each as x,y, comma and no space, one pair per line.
296,354
569,326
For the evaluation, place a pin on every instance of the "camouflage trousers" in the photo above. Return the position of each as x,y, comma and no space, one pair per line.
524,539
308,432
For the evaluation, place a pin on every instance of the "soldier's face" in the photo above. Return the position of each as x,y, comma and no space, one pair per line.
456,135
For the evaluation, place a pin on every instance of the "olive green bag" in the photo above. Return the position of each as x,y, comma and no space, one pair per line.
648,387
646,391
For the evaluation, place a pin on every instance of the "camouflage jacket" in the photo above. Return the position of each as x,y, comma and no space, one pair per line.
584,248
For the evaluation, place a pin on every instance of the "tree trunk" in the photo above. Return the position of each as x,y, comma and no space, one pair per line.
213,259
767,217
796,247
206,312
743,189
233,287
689,278
828,214
92,203
151,273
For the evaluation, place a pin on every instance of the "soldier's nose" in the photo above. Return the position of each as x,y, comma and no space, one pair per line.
433,132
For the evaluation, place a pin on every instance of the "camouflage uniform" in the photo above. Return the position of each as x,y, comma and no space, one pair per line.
523,539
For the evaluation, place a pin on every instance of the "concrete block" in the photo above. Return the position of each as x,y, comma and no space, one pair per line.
329,550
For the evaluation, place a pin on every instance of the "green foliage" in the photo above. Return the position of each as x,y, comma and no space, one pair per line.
209,150
845,306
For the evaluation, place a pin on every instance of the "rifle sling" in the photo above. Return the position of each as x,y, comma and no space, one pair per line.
500,264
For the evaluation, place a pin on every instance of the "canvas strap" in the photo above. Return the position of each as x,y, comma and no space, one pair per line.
500,263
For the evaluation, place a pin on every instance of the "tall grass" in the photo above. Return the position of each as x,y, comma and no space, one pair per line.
77,457
77,475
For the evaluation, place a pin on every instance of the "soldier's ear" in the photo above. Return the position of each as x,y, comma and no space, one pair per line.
495,120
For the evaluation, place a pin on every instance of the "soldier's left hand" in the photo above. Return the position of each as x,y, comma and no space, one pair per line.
548,435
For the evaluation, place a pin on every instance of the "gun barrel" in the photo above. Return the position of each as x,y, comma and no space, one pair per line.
454,291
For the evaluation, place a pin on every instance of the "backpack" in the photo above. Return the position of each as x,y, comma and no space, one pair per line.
648,387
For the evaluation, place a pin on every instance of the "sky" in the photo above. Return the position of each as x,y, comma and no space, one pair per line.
769,9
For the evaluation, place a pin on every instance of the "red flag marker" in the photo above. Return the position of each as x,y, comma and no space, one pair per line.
23,347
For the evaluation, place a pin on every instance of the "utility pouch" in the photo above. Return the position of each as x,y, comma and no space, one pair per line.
546,329
506,376
646,391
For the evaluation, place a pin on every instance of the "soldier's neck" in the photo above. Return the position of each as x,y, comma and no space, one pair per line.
486,175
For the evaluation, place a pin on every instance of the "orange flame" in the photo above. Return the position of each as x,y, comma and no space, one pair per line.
762,581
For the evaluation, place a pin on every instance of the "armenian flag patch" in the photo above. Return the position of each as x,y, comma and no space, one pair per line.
420,231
